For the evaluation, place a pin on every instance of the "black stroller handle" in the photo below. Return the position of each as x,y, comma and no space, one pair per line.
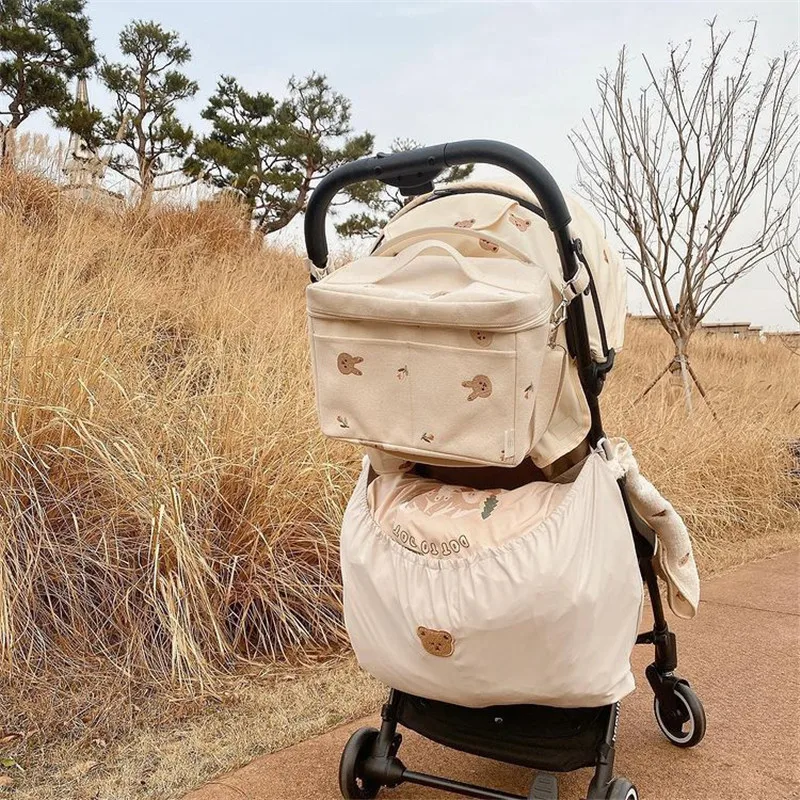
413,172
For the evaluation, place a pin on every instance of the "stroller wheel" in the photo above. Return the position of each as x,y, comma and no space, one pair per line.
621,789
352,783
686,725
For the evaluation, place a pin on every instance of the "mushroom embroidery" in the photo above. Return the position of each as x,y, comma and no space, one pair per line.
343,423
483,338
465,223
347,364
528,391
402,373
487,245
481,387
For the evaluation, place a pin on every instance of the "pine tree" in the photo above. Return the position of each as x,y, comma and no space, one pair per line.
489,505
147,88
273,152
43,44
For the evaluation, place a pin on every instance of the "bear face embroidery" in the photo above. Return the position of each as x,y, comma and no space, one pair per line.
487,245
465,223
482,338
519,223
481,387
437,643
347,364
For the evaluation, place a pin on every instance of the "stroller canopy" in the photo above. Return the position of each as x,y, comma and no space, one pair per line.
497,220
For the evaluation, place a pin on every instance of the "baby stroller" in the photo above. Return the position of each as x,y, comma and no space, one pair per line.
551,736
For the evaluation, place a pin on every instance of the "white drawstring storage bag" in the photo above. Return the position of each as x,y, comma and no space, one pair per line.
548,616
435,356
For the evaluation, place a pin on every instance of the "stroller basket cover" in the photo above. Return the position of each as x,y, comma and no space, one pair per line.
478,333
550,616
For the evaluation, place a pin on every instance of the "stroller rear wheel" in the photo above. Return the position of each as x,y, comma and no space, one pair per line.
352,783
621,789
685,724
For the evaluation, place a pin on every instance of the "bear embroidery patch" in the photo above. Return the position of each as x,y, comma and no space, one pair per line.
482,338
487,245
481,387
347,364
519,223
437,643
465,223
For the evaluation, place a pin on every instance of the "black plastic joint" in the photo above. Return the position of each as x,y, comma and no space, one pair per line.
386,771
666,651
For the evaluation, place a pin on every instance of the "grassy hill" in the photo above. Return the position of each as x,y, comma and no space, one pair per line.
169,510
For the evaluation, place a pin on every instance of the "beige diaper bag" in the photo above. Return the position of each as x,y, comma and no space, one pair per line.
435,356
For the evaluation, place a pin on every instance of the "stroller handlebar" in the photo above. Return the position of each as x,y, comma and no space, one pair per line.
413,172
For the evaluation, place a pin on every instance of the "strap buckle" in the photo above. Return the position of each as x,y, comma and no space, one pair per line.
316,273
557,320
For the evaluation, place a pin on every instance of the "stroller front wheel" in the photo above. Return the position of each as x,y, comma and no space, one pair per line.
352,783
685,725
621,789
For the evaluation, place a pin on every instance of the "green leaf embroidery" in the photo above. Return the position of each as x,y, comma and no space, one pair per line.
489,505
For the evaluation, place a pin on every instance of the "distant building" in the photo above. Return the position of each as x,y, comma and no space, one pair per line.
736,330
647,319
791,338
83,167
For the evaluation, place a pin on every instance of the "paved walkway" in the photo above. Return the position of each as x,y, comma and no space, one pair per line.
742,655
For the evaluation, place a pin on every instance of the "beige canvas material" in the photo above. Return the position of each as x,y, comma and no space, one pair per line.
495,226
674,560
434,356
549,616
498,227
440,520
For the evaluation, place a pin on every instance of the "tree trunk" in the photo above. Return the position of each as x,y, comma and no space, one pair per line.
7,147
683,361
146,196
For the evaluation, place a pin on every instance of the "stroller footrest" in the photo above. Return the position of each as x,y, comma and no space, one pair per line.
545,787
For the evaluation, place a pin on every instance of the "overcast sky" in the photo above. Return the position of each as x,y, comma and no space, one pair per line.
521,72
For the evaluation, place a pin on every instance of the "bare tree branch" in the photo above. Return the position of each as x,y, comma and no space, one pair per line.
675,166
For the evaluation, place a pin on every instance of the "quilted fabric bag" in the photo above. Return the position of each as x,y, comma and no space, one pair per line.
433,355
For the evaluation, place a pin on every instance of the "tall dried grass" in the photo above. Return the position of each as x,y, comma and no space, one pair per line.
169,510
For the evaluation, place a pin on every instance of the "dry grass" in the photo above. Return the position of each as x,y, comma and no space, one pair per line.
169,510
728,478
259,714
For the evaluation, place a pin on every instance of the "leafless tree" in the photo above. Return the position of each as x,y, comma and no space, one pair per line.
786,270
674,166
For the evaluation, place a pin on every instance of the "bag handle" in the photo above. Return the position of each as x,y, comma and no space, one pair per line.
410,254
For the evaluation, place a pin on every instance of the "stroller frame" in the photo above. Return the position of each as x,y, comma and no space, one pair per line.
572,738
